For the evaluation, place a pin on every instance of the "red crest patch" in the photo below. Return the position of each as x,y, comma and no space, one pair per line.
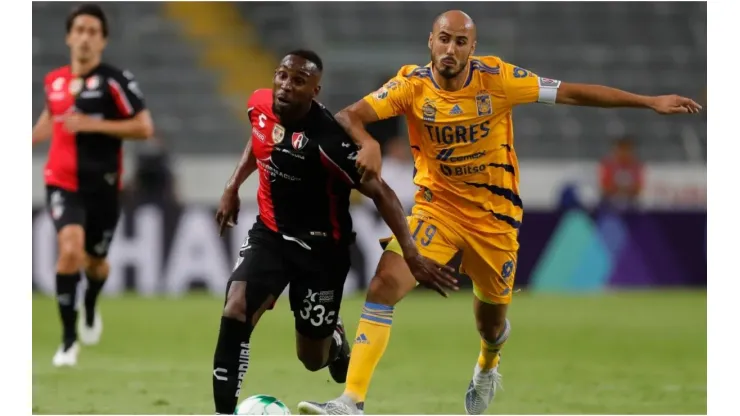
299,141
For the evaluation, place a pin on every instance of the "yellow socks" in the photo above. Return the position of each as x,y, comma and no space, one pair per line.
489,351
371,340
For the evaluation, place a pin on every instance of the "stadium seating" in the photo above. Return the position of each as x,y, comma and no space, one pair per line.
652,48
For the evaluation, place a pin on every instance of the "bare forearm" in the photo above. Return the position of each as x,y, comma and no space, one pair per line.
247,165
600,96
390,208
41,133
354,126
133,129
42,130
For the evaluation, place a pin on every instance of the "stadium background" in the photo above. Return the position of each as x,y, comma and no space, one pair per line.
198,62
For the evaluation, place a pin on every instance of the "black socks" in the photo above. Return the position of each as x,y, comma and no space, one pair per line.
94,286
67,300
230,363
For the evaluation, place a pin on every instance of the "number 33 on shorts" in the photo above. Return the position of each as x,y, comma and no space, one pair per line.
314,312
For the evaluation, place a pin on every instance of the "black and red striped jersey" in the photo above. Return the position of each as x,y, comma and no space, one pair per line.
88,161
306,172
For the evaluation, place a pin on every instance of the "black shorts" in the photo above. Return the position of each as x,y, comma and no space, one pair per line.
316,272
97,212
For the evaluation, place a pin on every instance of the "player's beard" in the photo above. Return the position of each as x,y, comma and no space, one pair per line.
446,71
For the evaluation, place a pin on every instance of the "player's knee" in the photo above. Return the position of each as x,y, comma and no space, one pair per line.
97,268
236,304
311,360
71,257
384,289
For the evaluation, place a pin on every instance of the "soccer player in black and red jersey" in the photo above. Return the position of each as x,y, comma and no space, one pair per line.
90,108
302,235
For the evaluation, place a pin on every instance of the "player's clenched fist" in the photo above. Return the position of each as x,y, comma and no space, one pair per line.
369,160
228,210
674,104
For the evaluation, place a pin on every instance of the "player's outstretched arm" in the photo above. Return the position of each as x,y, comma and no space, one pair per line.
602,96
426,271
228,210
43,128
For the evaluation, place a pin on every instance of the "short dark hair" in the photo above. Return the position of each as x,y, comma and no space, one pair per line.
310,56
93,10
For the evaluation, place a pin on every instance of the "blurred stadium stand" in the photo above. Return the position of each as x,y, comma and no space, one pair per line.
646,47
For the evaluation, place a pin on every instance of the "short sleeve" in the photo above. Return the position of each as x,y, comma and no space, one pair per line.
392,99
523,87
126,93
338,155
259,98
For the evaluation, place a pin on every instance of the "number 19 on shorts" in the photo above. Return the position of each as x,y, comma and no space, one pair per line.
424,237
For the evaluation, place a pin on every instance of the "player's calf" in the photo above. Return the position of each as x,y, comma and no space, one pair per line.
332,351
494,330
392,281
71,258
90,327
231,358
315,354
493,327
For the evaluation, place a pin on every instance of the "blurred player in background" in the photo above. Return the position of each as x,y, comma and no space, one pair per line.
90,108
458,109
621,176
303,232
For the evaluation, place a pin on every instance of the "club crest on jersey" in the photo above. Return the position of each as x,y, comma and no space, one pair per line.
428,195
381,93
93,82
278,133
428,110
547,82
75,86
58,84
507,270
299,141
483,102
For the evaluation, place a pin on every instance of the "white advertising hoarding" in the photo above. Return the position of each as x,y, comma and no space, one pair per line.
201,179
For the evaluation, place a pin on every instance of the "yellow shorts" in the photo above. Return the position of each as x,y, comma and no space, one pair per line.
485,258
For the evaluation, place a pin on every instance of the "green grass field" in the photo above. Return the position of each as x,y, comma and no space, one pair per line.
618,353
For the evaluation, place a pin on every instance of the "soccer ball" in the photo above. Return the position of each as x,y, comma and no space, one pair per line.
262,404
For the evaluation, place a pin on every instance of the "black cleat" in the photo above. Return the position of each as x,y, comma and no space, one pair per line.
339,367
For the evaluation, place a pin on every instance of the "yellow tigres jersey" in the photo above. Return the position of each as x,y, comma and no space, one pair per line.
463,140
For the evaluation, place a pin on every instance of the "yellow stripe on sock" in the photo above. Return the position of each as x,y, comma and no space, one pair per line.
227,45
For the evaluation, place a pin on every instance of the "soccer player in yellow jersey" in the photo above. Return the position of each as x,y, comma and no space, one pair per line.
458,109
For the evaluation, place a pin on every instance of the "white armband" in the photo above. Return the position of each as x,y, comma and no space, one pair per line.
548,90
